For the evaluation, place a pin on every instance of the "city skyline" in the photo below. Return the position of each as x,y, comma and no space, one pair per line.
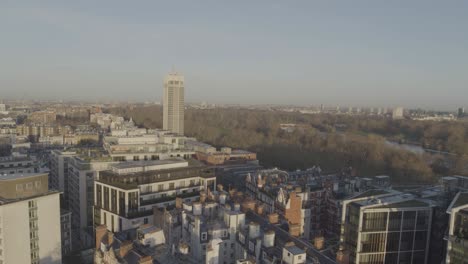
390,54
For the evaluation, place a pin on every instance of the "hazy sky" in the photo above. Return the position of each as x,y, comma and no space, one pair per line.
409,53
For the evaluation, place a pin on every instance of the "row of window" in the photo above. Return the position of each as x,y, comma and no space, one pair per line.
160,187
13,165
28,186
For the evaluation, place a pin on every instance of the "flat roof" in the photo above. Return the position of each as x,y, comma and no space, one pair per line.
241,151
382,176
407,204
4,201
461,200
198,143
143,163
15,159
369,193
15,176
397,200
449,178
295,250
148,229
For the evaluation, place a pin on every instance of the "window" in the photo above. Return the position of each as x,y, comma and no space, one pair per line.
203,236
19,187
29,186
252,247
37,184
145,220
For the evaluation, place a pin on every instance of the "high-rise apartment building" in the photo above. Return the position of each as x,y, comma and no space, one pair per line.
386,227
29,220
82,171
398,113
461,112
173,103
58,175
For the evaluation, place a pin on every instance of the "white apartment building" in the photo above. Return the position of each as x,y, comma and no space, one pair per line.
157,145
173,103
66,234
398,113
126,194
58,175
81,175
29,220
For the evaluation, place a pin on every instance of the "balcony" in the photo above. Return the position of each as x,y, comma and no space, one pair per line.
138,214
169,198
458,240
165,190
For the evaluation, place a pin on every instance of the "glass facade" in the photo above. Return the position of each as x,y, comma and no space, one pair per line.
386,235
459,241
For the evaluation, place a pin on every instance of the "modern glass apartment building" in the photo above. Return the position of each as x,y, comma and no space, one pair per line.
386,227
457,238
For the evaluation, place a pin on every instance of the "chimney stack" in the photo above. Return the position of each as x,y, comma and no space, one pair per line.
101,231
125,247
146,260
110,238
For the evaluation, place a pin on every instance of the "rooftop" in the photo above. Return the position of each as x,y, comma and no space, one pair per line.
132,180
15,159
408,203
295,250
146,163
14,176
371,193
397,200
148,229
7,201
382,177
461,199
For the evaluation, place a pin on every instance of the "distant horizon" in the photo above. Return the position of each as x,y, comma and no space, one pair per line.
395,53
159,102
